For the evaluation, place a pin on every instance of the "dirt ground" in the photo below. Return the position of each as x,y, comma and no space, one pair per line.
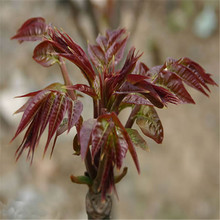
179,179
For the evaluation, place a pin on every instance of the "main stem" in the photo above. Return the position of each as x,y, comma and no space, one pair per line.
96,208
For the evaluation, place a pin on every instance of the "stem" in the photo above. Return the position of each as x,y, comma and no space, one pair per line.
66,78
96,110
89,166
97,208
132,116
116,103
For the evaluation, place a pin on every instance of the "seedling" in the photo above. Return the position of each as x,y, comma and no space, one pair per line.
102,141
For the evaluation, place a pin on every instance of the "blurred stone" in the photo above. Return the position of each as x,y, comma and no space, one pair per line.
206,22
25,206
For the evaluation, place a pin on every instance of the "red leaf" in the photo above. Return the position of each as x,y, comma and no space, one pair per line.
149,123
30,139
121,147
136,99
174,84
83,88
30,111
74,53
130,63
33,29
189,75
83,64
114,83
166,96
100,133
127,88
110,49
198,70
74,112
46,113
149,90
57,114
29,94
137,140
102,41
141,69
45,54
96,55
114,35
107,180
128,140
85,136
135,78
116,50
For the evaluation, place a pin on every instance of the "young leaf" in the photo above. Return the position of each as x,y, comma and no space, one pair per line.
137,140
45,54
56,118
198,70
73,52
136,100
141,69
100,133
85,135
74,112
96,55
173,82
149,123
30,111
113,45
128,140
116,51
47,106
83,88
33,29
120,145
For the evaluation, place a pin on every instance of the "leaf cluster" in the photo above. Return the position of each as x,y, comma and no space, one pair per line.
113,85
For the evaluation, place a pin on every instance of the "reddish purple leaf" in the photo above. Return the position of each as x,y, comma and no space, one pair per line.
100,133
45,54
136,99
74,53
29,94
74,112
166,96
141,69
30,111
135,78
188,76
121,147
96,55
128,140
85,135
173,82
56,118
33,29
149,123
116,51
83,88
46,114
137,140
198,70
107,180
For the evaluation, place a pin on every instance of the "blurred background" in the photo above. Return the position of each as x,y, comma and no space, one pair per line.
179,178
